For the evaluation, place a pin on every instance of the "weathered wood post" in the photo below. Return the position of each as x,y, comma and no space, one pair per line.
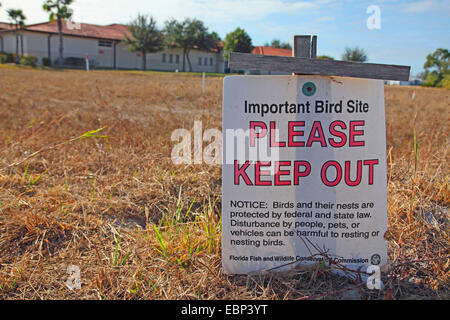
304,47
308,174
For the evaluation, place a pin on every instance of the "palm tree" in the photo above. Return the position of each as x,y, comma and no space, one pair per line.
59,9
17,18
22,26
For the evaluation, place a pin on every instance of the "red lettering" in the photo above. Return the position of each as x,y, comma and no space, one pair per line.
298,173
338,134
253,134
279,172
371,163
316,127
338,173
354,132
273,130
293,133
357,181
240,172
259,173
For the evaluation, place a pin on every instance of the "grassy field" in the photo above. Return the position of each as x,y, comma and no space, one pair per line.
139,227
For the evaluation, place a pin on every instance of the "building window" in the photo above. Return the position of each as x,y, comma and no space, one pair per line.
163,57
211,60
199,61
177,58
170,58
205,61
105,43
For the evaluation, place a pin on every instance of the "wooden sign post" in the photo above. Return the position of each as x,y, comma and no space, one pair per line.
304,162
304,47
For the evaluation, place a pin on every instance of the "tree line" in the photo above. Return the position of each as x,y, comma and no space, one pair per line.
436,72
145,37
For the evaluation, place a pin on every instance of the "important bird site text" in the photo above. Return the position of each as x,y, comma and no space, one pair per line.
319,106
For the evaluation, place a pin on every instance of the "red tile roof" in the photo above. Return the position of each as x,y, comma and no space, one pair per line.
5,26
110,32
269,51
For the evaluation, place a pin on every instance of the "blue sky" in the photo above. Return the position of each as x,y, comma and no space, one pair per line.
410,29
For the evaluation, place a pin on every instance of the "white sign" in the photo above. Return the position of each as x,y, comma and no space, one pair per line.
304,159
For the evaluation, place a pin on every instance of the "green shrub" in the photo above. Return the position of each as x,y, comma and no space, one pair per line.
446,81
10,57
29,60
431,80
3,57
46,61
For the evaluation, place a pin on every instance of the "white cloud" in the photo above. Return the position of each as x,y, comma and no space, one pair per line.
325,19
324,1
227,11
422,6
109,11
272,30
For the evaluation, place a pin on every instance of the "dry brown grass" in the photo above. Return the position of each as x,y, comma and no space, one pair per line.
91,190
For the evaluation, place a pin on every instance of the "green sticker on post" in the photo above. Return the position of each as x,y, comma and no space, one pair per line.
309,89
